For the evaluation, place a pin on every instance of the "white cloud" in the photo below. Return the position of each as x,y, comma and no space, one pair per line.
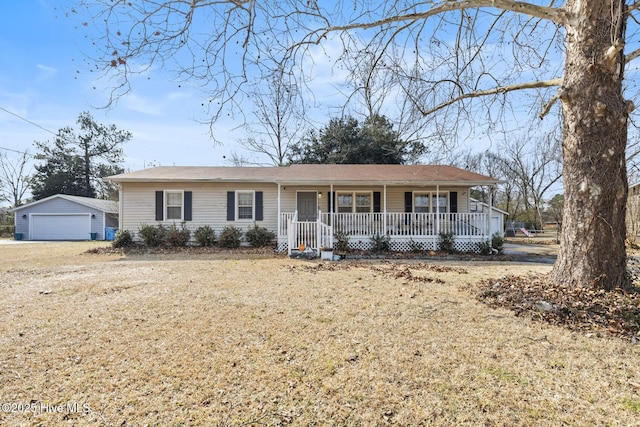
45,72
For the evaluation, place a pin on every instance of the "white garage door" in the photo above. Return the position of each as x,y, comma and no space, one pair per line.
60,227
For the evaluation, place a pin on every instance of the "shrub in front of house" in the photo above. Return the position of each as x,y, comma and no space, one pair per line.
230,237
122,239
447,242
380,243
341,242
178,237
496,243
259,236
153,236
205,236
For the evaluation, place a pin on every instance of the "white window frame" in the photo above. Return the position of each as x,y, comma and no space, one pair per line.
167,206
433,201
253,204
353,195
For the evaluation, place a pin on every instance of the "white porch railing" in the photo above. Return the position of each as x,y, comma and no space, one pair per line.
472,227
408,224
311,234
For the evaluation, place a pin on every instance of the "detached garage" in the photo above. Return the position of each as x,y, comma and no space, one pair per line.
63,217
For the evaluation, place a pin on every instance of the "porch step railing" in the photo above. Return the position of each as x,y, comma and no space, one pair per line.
311,234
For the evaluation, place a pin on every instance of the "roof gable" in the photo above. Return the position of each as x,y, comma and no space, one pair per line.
107,206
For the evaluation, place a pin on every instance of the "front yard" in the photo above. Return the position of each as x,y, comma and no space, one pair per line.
207,339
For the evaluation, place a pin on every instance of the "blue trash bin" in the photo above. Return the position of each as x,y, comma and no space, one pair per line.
110,233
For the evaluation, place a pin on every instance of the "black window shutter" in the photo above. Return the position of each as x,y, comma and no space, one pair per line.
453,201
231,205
159,205
376,201
188,202
259,206
408,201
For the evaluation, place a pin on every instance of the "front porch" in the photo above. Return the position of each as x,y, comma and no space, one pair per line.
406,231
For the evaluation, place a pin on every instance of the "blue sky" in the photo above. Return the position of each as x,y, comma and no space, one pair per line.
44,78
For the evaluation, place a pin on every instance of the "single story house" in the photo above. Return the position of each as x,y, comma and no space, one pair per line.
308,204
64,217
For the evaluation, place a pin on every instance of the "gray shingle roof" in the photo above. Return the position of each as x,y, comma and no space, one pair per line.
107,206
311,174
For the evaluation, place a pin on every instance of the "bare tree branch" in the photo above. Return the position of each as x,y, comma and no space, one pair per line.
494,91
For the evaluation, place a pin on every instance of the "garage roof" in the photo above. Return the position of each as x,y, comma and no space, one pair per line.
107,206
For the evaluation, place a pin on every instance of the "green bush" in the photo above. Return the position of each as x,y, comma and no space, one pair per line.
178,237
230,237
153,236
380,243
484,247
341,243
205,236
497,243
122,239
446,242
259,236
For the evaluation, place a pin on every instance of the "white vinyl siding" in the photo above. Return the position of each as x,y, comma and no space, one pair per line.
209,204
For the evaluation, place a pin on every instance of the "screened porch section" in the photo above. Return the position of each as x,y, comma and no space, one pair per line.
406,231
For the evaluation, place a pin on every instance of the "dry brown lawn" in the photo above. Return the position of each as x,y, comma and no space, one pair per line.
169,340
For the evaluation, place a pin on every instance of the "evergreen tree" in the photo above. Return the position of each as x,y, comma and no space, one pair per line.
346,141
75,162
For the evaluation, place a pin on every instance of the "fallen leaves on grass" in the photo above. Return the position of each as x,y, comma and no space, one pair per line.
410,273
581,309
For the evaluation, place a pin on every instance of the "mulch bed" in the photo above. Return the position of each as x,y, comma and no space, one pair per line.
585,310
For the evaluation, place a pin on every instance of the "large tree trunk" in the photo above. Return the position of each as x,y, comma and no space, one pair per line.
592,248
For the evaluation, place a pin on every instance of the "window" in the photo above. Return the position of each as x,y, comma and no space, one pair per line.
354,202
421,203
363,202
430,202
174,205
245,205
345,203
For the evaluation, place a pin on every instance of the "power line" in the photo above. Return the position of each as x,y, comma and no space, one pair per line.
27,120
16,151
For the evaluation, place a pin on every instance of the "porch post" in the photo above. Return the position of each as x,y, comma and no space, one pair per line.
279,219
489,214
384,209
438,209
